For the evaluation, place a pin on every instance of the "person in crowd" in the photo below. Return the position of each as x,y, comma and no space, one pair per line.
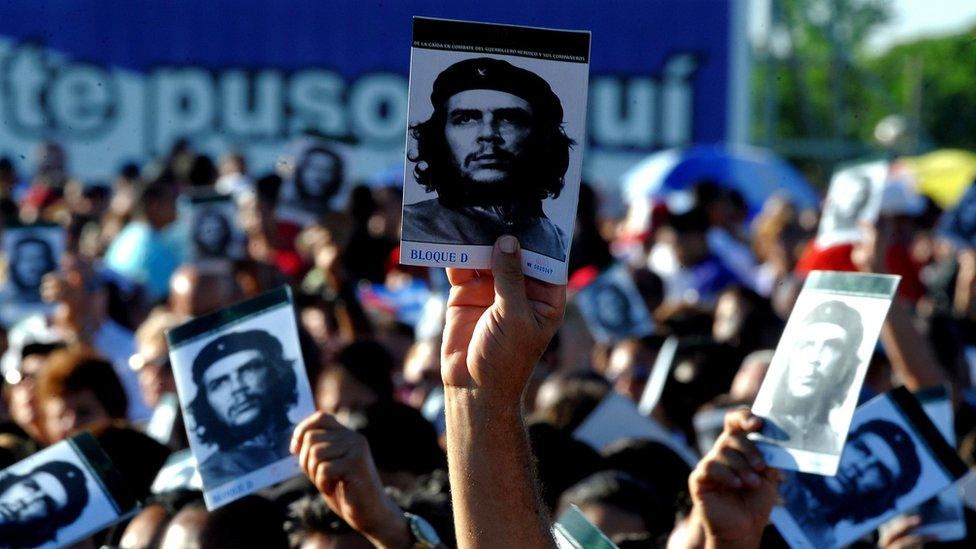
144,250
196,289
20,391
358,378
78,390
151,360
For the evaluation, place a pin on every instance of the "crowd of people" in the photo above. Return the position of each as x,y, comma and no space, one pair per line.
413,369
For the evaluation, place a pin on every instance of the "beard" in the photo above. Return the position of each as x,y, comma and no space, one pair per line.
514,192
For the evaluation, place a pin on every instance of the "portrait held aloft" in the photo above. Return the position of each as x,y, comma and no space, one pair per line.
242,389
245,387
854,197
811,387
53,498
212,226
31,252
491,148
894,458
613,308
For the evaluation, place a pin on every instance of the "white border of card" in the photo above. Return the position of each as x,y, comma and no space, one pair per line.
561,58
823,416
107,501
635,321
938,467
942,516
872,174
273,314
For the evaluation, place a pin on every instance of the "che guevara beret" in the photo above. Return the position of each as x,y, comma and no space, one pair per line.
486,73
841,314
233,342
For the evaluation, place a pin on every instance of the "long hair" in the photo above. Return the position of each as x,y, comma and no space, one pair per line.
541,169
282,388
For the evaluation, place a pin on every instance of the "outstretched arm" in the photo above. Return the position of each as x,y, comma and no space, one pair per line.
498,323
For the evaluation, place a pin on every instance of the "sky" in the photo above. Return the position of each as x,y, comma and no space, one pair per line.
923,18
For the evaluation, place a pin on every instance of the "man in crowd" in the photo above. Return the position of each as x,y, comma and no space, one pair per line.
821,367
245,387
493,150
36,505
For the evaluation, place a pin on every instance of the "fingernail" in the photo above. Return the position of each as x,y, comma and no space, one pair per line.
508,244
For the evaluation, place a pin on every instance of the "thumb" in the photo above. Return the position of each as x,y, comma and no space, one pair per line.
506,268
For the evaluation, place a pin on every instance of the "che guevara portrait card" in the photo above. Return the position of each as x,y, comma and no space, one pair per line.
61,495
495,138
894,459
242,387
810,391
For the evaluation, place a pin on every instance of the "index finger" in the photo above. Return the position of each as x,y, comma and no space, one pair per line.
459,276
318,420
742,421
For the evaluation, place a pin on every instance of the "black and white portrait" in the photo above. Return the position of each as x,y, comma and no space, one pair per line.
31,253
314,171
889,464
212,228
613,308
810,391
243,387
854,197
53,498
493,149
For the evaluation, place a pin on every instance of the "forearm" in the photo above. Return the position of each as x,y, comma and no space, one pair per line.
910,353
493,486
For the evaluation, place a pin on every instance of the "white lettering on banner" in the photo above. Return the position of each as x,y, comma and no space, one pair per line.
107,116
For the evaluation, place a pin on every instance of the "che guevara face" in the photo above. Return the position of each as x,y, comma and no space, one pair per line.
486,132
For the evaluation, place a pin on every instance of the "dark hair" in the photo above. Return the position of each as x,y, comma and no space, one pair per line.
910,467
332,187
251,521
544,166
370,364
400,439
225,237
74,370
44,529
626,493
49,260
283,382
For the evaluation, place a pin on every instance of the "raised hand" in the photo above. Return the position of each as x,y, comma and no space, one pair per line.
498,323
732,488
338,462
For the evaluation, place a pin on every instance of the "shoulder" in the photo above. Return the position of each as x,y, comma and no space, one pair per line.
542,236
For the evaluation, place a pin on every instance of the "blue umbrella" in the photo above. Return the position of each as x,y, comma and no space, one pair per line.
755,173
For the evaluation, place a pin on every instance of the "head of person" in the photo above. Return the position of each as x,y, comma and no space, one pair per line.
155,202
245,386
878,466
151,360
359,377
35,505
312,525
212,233
824,356
251,521
629,365
496,135
202,287
31,258
686,234
78,389
20,391
618,504
319,174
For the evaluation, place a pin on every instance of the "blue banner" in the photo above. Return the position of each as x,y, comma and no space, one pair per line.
120,80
